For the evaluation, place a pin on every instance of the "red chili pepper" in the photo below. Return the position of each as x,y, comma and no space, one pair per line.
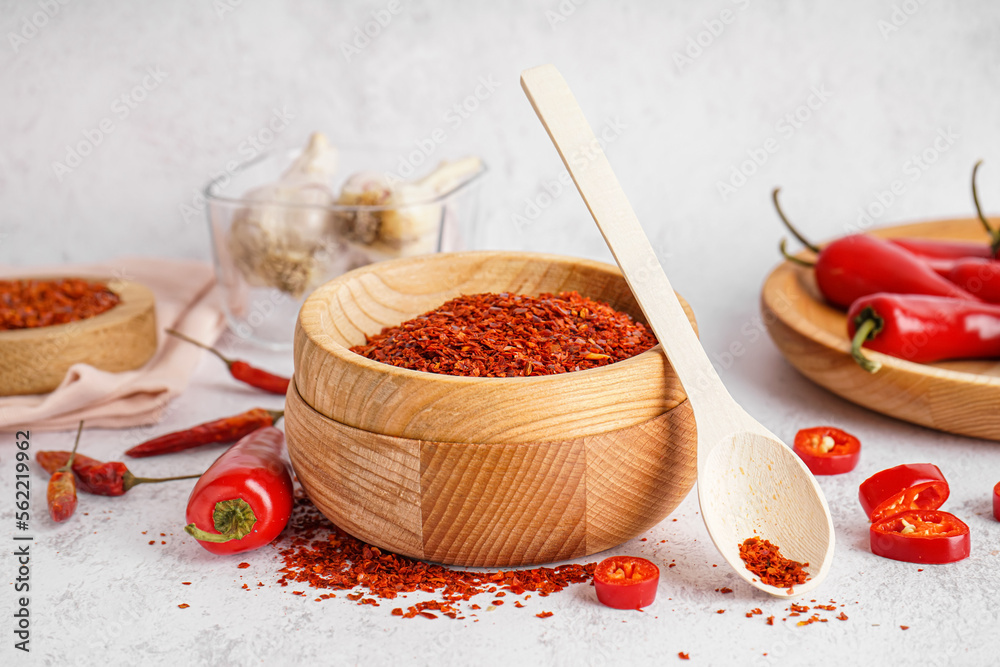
242,371
914,486
97,477
245,496
626,582
61,492
859,265
229,429
921,536
827,450
996,502
922,329
977,276
944,251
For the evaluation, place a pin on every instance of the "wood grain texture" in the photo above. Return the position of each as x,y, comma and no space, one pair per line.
958,397
34,361
380,398
749,482
493,505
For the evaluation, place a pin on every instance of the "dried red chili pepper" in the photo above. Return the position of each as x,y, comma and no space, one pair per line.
511,335
61,492
765,560
922,329
242,371
99,478
245,496
229,429
26,304
859,265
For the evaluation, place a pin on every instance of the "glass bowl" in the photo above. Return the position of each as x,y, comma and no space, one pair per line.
264,281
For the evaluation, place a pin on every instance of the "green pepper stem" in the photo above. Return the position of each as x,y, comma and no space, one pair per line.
200,535
129,480
72,455
178,334
994,234
795,232
864,332
276,415
792,258
234,519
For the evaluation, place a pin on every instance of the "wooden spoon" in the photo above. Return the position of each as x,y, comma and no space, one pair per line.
749,482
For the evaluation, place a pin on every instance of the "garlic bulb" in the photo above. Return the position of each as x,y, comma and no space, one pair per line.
281,238
404,224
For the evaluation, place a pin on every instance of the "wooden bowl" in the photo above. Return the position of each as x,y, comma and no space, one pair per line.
493,505
506,471
955,396
380,398
35,361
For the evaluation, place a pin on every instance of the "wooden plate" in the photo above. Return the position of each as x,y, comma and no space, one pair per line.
35,361
956,396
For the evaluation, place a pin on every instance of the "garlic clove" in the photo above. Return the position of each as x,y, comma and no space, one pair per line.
274,241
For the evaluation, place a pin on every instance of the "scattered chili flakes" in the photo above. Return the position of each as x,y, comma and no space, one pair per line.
765,560
827,607
904,627
683,656
544,614
511,335
243,566
319,554
842,617
27,304
152,541
799,607
770,620
720,611
724,590
183,605
754,612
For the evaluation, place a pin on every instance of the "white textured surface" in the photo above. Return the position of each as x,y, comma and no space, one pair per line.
108,597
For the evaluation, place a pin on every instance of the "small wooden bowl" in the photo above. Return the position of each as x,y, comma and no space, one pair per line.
493,505
35,361
507,471
954,396
380,398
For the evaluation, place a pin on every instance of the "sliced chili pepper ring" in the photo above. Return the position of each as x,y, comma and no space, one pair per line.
996,502
921,536
626,582
913,486
827,450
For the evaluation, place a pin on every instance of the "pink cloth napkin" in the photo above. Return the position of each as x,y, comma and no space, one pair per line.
185,300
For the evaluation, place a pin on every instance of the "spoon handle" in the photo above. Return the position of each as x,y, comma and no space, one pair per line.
585,160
